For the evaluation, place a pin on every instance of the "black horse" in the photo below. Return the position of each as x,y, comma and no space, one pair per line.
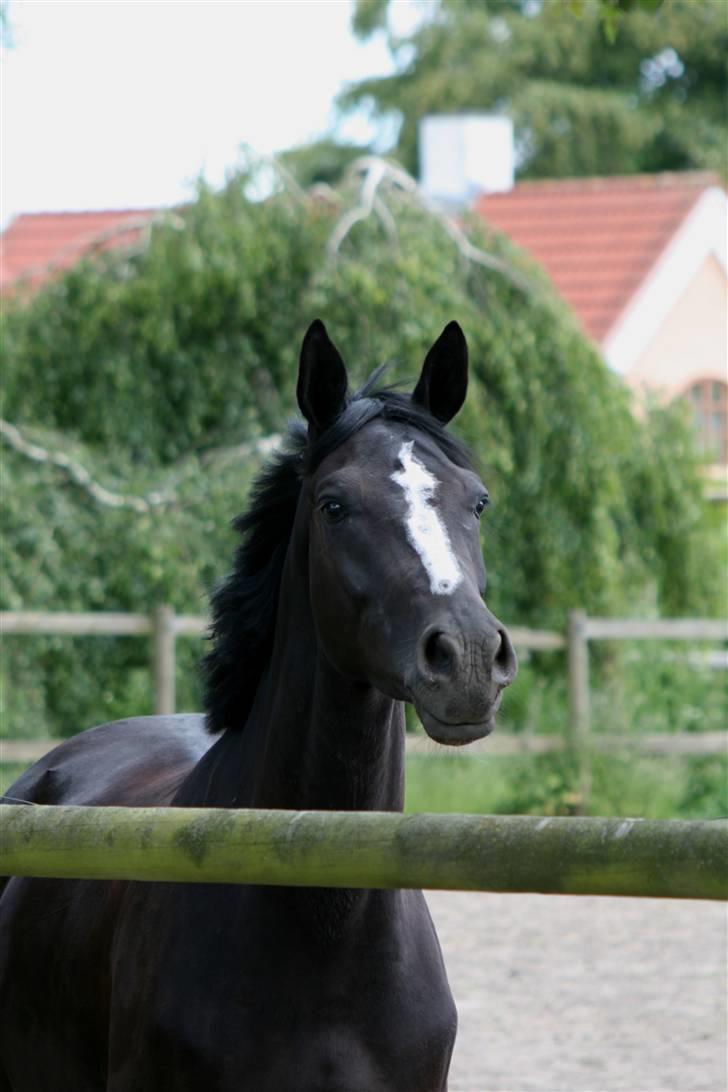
358,586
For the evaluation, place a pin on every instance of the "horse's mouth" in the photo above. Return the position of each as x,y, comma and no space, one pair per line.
460,733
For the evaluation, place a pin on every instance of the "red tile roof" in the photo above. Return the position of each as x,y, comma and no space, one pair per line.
36,244
597,238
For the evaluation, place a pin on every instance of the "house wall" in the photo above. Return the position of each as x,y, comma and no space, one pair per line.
692,342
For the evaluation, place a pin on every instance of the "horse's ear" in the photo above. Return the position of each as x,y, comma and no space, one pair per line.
443,384
322,380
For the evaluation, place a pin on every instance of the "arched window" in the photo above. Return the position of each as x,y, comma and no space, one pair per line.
709,401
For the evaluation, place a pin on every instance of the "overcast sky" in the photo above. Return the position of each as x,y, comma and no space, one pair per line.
123,104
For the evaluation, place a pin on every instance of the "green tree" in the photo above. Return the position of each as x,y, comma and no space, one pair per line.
593,88
150,369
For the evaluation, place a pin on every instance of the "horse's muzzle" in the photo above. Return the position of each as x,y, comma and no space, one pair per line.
460,677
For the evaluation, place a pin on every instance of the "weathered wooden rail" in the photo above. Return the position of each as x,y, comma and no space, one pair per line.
648,743
576,856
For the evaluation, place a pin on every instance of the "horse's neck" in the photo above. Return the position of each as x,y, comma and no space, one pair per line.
313,739
329,743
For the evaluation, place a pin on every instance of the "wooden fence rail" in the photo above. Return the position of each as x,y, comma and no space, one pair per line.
576,856
524,744
165,626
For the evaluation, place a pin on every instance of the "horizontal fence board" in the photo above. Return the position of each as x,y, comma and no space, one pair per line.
652,743
658,629
536,639
687,743
498,744
26,750
551,855
112,623
96,624
186,625
191,625
108,622
678,743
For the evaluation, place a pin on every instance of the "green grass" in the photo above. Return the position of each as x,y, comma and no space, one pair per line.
663,787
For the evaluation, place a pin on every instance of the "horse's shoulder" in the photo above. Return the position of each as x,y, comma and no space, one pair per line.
125,761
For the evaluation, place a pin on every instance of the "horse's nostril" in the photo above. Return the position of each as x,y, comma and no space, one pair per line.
440,653
505,663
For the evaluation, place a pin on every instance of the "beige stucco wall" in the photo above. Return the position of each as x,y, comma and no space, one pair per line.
692,343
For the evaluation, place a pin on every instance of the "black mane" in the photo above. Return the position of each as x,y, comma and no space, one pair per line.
245,605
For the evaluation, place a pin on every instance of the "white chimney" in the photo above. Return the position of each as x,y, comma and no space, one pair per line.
464,155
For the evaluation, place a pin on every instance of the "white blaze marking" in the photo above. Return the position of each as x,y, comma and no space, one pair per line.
425,530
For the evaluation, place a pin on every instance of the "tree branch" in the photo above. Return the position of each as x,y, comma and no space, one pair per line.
80,476
158,498
377,172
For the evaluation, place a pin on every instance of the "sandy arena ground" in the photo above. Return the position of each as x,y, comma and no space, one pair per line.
567,994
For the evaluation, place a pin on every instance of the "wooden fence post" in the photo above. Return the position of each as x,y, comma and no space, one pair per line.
164,660
579,713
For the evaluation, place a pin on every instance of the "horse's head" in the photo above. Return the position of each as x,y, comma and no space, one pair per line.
395,568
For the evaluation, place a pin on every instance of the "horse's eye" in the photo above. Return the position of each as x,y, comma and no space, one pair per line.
481,506
333,510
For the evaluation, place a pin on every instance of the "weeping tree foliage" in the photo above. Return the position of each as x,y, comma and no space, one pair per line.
151,369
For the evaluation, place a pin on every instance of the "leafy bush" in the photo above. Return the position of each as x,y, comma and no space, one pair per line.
659,687
64,551
142,365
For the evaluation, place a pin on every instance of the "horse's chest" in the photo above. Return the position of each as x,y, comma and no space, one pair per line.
286,1011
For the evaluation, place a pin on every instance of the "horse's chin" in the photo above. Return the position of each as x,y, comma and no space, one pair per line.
456,735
